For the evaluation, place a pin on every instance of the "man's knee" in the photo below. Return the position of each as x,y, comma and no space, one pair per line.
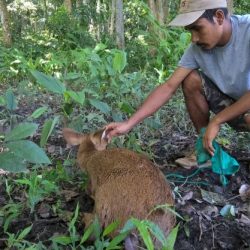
247,120
192,83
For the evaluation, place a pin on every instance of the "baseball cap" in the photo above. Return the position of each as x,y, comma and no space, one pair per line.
191,10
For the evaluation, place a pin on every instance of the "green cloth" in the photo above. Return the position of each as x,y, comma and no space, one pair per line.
222,163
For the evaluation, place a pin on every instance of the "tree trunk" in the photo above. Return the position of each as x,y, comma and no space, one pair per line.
159,9
98,24
152,6
5,19
68,6
119,23
112,17
45,9
230,4
162,11
79,4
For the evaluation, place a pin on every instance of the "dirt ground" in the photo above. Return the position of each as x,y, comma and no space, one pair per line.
199,197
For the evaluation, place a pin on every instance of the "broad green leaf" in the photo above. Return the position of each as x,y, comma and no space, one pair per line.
100,46
38,112
8,221
68,108
50,83
87,233
10,100
96,228
21,131
102,106
47,130
156,231
171,239
144,233
117,117
129,225
2,101
110,228
184,38
228,211
24,233
34,247
73,221
72,76
126,108
78,97
117,240
28,151
61,239
119,61
12,163
24,182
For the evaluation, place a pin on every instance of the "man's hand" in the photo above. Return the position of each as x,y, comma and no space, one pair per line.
212,131
117,128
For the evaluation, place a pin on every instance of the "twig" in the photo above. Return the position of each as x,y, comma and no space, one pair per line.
213,235
200,225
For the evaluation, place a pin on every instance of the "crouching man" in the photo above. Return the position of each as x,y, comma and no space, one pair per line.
214,72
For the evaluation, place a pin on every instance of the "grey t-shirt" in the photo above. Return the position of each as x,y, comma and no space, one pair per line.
228,66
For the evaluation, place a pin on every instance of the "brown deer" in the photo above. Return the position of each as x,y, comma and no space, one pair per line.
124,184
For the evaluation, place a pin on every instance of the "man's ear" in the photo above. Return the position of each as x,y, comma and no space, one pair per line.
99,139
72,137
220,17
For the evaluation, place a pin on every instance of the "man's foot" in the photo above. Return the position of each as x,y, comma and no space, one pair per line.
188,161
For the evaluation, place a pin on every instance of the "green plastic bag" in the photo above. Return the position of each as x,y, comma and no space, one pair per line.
222,163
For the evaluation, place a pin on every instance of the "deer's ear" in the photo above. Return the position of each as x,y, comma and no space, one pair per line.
72,137
99,139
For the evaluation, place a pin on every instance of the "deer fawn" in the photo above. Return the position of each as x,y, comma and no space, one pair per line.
124,184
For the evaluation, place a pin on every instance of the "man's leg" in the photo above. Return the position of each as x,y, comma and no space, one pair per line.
202,95
196,102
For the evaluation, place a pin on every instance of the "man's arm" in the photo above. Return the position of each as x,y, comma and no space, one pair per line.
238,108
157,98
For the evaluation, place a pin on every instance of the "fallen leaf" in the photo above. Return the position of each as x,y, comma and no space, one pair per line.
186,197
210,211
69,194
213,198
51,149
244,219
44,210
244,192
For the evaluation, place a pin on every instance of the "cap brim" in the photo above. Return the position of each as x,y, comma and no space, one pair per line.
186,19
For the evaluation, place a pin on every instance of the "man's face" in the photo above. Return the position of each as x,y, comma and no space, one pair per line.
205,34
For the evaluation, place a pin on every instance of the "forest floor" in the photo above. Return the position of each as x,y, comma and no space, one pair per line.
199,198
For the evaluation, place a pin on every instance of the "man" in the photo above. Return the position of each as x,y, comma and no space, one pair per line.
214,72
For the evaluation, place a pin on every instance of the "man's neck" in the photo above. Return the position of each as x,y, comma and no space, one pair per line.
227,32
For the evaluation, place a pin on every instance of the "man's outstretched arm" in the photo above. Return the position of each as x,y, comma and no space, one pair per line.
157,98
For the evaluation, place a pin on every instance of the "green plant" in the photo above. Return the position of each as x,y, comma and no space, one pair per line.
102,239
17,240
8,188
18,152
147,228
97,64
9,101
10,212
38,188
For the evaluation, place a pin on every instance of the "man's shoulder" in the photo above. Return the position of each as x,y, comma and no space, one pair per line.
241,19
